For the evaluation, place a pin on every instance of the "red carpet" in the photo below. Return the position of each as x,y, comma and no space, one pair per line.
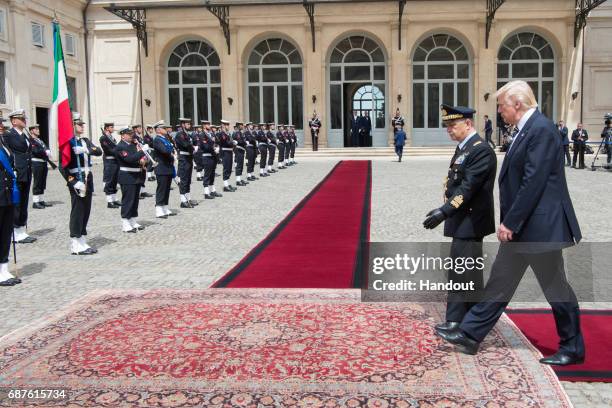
318,244
538,325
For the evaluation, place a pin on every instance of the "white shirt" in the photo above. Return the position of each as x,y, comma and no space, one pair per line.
463,143
521,124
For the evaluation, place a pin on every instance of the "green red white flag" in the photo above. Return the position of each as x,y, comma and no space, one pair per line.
60,122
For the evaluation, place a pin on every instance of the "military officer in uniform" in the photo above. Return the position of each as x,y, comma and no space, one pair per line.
139,137
209,151
290,156
81,186
271,137
197,155
164,171
240,152
186,149
40,157
262,144
9,199
132,163
227,152
251,151
468,212
280,144
314,124
397,120
147,139
111,169
19,143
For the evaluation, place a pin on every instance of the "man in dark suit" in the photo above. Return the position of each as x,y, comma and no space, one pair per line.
565,141
355,129
468,212
365,129
489,131
579,137
537,222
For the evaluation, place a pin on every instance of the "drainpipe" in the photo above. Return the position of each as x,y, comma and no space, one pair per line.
86,37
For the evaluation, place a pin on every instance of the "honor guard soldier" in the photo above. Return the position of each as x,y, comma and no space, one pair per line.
294,143
227,152
132,163
81,187
111,168
262,143
271,136
397,120
185,148
19,143
139,137
289,144
251,151
9,200
240,142
164,171
197,155
314,124
148,137
41,155
280,143
468,211
209,151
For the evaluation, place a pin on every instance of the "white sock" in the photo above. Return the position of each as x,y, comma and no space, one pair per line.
261,171
213,189
82,240
109,198
269,168
36,199
126,224
114,197
167,210
149,174
188,196
238,178
159,211
133,223
198,174
4,272
225,183
206,190
183,198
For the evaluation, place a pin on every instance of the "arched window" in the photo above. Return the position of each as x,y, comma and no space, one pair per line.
440,74
529,57
274,76
194,83
355,60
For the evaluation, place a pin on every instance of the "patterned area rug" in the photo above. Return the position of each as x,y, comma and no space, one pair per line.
261,347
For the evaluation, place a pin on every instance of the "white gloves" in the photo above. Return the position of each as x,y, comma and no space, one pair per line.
80,150
79,186
217,149
146,148
235,142
48,153
195,149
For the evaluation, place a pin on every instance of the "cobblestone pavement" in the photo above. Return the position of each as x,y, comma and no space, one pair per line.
199,245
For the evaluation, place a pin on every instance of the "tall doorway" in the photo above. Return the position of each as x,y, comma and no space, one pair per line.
42,118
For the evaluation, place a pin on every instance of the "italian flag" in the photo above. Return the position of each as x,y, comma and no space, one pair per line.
60,121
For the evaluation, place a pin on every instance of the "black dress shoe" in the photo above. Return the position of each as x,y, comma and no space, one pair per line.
88,251
16,280
38,206
265,175
162,216
214,193
447,326
93,250
186,205
199,179
172,214
151,179
46,204
241,183
229,189
117,203
273,171
209,197
8,282
562,358
27,240
458,338
132,231
112,205
193,203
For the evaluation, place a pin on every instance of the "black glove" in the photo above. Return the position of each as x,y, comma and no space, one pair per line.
434,218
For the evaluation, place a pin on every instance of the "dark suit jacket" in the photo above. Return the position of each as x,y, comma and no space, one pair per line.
355,124
564,132
534,200
576,134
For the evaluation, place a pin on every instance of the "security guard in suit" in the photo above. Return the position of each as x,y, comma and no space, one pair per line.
19,143
164,171
132,163
80,183
468,211
111,169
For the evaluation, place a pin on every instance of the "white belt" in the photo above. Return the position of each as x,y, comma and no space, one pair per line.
206,154
77,170
184,153
131,169
34,159
240,147
109,158
262,144
228,149
281,143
